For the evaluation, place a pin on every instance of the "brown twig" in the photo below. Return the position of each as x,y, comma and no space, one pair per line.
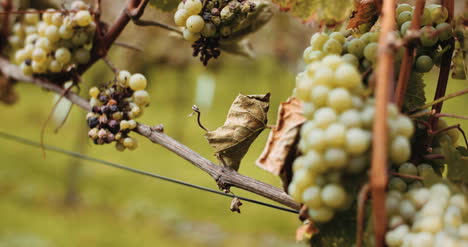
7,6
443,98
197,111
407,63
110,65
128,46
439,115
225,176
146,23
361,213
385,72
406,176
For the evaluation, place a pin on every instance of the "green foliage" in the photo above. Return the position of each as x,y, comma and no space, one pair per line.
415,96
329,12
165,5
457,162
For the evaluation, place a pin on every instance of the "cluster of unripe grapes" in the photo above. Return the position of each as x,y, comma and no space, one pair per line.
407,179
54,41
427,217
115,108
212,18
362,51
336,138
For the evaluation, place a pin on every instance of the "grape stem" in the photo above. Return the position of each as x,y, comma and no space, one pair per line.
363,196
443,98
384,75
128,46
110,65
406,176
224,176
439,115
407,63
146,23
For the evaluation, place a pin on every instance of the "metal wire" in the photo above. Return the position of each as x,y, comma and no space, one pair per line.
122,167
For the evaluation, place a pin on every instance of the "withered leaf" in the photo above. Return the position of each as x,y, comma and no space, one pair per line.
235,205
306,231
246,119
279,152
365,12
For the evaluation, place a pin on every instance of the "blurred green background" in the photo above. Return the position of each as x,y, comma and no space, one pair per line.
60,201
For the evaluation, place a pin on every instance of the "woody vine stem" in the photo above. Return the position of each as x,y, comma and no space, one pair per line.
103,40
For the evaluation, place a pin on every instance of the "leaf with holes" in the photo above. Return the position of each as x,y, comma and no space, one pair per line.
165,5
280,150
246,119
366,12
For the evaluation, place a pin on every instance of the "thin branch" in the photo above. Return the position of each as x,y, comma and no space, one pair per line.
406,176
444,98
223,176
110,65
385,71
146,23
363,196
439,115
407,63
128,46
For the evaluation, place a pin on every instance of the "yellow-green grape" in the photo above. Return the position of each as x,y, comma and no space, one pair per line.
318,40
82,56
404,17
80,38
333,195
351,59
423,64
312,197
124,77
180,17
20,56
65,32
438,13
43,43
52,33
83,18
63,55
124,124
338,36
47,16
94,92
132,124
193,7
39,67
141,97
39,55
31,18
347,76
57,19
130,143
428,37
405,27
403,7
119,146
321,215
335,135
400,149
332,46
26,69
357,141
445,31
137,82
335,158
190,36
370,51
339,99
55,66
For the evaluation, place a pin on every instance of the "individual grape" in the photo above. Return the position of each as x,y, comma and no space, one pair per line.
426,18
319,95
123,77
404,17
423,64
193,7
408,168
83,18
55,66
26,68
338,36
313,56
332,61
403,7
370,51
209,30
335,157
52,33
324,76
439,14
335,135
180,17
312,197
190,36
332,46
339,99
79,39
321,215
400,149
316,139
428,37
94,92
141,97
445,31
65,32
130,143
195,23
82,56
31,18
357,164
39,55
308,109
351,119
63,55
39,67
333,195
350,59
404,126
137,82
405,27
325,116
357,141
57,19
318,40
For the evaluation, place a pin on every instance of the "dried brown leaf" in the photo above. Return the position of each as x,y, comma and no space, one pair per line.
246,119
277,155
306,231
235,205
365,12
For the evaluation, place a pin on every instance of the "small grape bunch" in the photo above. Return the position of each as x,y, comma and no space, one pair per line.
115,108
408,171
427,217
206,23
55,41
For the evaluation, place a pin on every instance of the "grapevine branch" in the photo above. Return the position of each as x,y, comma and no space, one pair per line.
378,179
225,177
405,68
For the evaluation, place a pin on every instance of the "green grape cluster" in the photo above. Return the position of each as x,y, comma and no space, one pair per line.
427,217
407,180
213,18
55,41
336,139
115,108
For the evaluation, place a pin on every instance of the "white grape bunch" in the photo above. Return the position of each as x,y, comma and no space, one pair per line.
207,23
336,139
54,41
427,217
115,108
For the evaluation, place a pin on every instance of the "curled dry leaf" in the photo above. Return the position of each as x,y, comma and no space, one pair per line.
235,205
246,119
279,152
306,231
365,12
